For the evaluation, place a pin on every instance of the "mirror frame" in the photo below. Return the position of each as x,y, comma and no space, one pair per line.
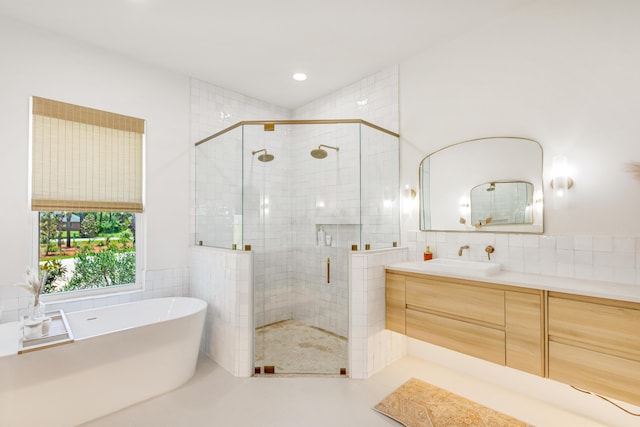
536,228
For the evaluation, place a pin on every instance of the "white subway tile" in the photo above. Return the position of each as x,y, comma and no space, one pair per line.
531,241
564,256
547,241
565,270
624,260
607,259
624,245
604,273
564,242
583,271
583,257
603,243
583,243
516,240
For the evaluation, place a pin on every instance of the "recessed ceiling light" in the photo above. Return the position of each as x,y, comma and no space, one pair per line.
300,77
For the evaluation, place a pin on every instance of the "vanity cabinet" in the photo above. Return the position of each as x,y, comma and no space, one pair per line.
591,343
594,344
501,324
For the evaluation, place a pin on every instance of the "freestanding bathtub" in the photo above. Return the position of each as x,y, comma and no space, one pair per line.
122,355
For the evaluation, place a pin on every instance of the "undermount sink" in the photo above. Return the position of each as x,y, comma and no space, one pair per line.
451,266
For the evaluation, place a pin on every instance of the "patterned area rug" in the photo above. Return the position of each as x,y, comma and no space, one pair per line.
420,404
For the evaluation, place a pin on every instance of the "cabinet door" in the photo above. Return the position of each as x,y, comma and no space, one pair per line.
593,344
458,300
395,303
474,340
524,331
609,375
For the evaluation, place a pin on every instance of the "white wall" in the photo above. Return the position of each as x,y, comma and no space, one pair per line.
562,72
36,62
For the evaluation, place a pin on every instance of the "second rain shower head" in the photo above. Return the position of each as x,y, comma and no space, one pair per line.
266,157
319,153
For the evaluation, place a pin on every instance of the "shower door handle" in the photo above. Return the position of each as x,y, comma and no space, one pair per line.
329,270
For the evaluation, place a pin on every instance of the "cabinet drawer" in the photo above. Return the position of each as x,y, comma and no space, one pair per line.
474,340
395,304
601,373
465,301
599,324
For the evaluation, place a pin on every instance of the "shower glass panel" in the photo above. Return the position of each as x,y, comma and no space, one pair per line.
218,187
301,194
380,176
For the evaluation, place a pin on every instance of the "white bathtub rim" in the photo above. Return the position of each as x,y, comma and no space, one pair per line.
199,305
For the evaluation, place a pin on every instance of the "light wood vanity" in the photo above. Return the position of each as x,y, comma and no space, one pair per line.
591,343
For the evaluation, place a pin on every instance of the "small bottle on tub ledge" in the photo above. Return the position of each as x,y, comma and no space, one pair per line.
428,254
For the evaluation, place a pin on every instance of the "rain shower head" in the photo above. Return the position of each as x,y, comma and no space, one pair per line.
319,153
266,157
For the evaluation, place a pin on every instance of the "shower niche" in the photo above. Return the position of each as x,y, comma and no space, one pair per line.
302,194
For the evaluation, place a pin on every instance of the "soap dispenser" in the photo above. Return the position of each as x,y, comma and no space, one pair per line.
427,254
321,237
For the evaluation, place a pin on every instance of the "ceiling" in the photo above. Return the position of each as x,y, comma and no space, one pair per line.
254,46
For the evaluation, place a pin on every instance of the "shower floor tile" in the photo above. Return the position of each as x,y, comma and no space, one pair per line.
294,347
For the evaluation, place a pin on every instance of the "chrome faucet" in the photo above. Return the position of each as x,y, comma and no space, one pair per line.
462,248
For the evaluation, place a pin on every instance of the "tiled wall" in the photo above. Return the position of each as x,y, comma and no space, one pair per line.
223,278
602,258
214,108
374,99
156,284
371,346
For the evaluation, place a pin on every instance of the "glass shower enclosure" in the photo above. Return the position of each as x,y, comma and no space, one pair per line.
301,195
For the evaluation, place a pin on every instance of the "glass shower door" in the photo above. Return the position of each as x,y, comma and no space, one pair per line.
321,283
300,273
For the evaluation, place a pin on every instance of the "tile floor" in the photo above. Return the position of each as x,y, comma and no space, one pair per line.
295,347
213,397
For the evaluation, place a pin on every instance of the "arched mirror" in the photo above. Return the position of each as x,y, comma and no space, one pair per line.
486,184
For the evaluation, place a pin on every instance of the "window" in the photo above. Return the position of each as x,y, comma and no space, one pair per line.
87,250
87,182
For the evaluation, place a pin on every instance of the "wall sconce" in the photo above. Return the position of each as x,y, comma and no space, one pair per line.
465,209
409,193
561,181
409,201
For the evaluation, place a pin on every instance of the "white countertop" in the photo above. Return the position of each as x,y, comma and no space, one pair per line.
585,287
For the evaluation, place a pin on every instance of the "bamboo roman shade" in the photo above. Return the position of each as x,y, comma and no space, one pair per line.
84,159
